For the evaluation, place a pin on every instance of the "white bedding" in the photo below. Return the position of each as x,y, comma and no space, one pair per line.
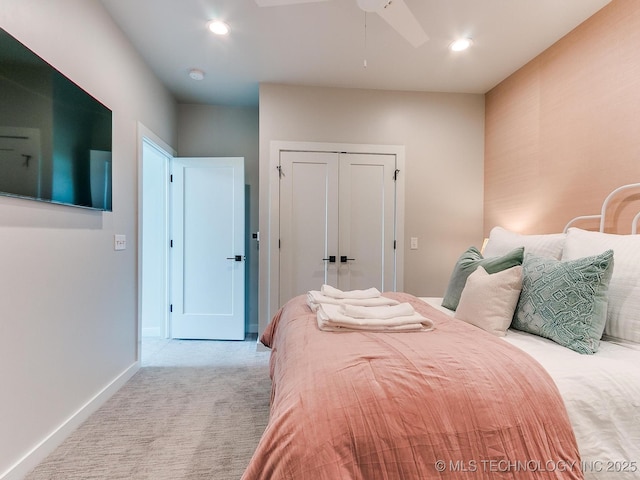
602,396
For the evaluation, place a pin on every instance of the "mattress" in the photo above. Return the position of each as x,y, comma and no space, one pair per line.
602,395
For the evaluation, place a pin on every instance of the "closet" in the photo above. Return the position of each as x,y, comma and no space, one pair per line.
337,221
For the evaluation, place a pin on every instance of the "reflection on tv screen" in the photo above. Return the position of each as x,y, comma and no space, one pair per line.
55,138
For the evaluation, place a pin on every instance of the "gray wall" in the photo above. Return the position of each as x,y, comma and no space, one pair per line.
69,301
216,131
444,139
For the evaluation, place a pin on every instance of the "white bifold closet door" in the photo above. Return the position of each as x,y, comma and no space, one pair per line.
366,227
337,221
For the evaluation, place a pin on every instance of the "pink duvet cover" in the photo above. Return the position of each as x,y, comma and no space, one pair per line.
452,403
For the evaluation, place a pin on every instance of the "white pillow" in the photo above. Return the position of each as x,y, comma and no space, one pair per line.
488,301
502,241
623,311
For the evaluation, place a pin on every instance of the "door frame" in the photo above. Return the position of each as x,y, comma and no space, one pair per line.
146,135
271,237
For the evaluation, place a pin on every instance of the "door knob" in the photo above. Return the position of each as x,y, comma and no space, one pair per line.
344,259
331,259
237,258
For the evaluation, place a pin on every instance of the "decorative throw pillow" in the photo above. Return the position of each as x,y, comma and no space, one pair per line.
623,311
467,264
502,241
565,301
489,301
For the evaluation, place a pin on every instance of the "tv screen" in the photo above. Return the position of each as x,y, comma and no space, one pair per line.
55,138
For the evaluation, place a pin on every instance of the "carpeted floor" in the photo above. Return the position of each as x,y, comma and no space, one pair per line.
195,410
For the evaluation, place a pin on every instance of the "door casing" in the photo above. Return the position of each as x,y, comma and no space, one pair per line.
146,135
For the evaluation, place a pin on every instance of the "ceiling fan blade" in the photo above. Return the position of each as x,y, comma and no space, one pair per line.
397,14
277,3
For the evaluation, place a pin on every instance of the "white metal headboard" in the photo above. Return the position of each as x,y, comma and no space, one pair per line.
603,211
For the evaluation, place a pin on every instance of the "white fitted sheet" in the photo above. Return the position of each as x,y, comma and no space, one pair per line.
602,396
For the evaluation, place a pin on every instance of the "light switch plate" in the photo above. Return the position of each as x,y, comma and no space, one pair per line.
414,243
119,242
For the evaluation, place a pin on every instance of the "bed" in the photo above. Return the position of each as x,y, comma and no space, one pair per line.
497,388
601,393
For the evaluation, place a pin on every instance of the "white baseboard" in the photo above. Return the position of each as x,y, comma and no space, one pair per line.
151,332
27,463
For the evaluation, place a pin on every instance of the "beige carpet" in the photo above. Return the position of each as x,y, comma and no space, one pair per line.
196,410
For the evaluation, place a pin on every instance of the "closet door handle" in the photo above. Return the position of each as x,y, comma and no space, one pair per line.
344,259
237,258
331,259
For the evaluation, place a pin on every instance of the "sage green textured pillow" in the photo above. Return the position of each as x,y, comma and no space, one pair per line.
468,262
565,301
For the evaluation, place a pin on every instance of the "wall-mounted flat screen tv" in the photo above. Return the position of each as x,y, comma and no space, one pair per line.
55,138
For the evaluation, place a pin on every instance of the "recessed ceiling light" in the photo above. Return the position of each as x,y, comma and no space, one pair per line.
218,27
196,74
460,44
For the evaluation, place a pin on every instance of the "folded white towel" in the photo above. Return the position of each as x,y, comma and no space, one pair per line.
315,297
329,326
390,311
333,292
330,318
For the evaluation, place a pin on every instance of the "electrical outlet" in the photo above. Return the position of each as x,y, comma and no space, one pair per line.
119,242
414,243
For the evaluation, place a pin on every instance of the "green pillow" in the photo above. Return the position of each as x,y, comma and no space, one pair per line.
565,301
468,262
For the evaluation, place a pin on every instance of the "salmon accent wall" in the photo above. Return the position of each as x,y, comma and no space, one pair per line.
564,131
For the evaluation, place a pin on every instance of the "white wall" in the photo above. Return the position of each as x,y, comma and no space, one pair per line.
218,131
69,302
444,139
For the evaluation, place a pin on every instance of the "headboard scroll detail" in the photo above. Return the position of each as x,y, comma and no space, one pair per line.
602,215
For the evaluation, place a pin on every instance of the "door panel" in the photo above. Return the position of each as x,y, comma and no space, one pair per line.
208,234
308,216
366,225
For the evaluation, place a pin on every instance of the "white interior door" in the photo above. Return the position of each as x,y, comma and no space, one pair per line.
367,221
208,266
308,221
337,221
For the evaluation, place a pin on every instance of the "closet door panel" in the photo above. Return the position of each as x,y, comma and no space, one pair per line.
367,221
308,221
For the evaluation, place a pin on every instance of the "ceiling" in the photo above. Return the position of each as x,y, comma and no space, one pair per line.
323,44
